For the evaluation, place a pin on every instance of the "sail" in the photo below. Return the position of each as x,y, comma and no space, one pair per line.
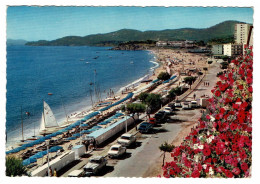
42,127
49,117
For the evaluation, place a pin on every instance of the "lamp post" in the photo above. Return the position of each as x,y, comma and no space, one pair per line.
125,119
48,144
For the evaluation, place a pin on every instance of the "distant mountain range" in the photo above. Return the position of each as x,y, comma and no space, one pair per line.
221,30
16,42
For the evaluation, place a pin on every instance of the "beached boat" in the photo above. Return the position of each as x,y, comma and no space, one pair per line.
48,122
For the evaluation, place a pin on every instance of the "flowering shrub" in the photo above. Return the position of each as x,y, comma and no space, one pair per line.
221,144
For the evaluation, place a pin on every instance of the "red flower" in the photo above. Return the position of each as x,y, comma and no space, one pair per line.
250,89
217,93
242,155
236,171
233,126
206,151
195,174
228,174
244,166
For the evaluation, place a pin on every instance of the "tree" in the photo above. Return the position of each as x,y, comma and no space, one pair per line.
163,76
143,97
175,92
189,80
135,108
166,148
14,167
153,101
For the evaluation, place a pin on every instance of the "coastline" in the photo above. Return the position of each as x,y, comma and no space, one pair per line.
13,142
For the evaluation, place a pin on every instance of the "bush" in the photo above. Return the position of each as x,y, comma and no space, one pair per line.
14,167
210,62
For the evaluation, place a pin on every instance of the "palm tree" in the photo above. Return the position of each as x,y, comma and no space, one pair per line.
166,148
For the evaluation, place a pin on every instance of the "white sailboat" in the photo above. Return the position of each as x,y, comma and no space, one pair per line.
48,122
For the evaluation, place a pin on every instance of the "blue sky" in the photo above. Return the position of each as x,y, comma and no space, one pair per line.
49,23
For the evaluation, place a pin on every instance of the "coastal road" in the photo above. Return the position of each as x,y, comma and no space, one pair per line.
209,77
141,158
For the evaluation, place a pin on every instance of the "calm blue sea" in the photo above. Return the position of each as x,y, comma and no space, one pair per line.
66,72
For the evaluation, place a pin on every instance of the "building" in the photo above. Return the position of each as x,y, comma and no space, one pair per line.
217,49
232,50
241,33
161,43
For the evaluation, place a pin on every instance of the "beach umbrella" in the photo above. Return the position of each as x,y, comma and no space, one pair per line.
29,161
76,135
55,148
71,138
84,125
96,127
40,154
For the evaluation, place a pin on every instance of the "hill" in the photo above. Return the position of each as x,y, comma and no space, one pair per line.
224,29
15,42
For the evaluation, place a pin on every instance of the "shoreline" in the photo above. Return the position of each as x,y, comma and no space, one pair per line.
83,111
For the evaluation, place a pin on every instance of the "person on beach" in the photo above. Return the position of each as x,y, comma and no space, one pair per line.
50,171
55,173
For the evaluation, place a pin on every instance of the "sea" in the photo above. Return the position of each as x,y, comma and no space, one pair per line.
64,77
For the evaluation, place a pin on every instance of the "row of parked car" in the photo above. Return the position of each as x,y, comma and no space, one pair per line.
96,163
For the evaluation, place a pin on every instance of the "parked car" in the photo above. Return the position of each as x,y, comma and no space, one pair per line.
167,110
194,104
116,150
94,165
77,173
172,105
126,140
145,127
152,121
159,116
186,105
177,104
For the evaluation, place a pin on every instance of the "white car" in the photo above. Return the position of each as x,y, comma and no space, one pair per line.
177,104
193,104
94,165
116,151
77,173
186,105
167,110
126,139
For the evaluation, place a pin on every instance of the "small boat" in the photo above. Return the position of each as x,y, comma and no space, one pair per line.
96,57
82,59
87,62
132,62
49,93
48,122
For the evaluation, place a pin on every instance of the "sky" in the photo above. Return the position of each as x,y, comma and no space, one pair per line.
33,23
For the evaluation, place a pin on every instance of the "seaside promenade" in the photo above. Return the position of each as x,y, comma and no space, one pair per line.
168,132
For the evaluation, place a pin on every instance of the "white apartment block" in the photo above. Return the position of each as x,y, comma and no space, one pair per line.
241,33
232,50
217,49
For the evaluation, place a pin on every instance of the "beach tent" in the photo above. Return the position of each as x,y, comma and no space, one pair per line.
96,127
40,154
76,135
84,125
55,148
29,161
71,138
